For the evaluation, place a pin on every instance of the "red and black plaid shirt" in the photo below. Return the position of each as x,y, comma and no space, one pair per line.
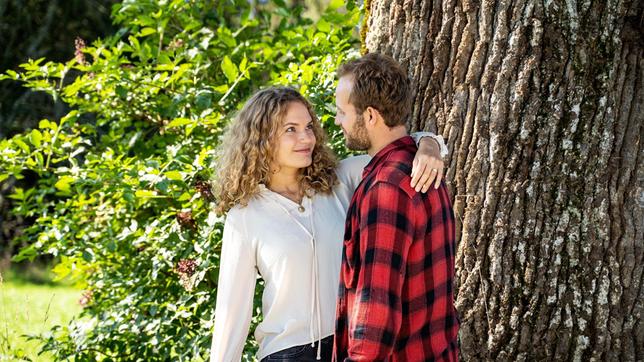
396,299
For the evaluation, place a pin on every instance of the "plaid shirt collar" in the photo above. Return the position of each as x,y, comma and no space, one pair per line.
383,154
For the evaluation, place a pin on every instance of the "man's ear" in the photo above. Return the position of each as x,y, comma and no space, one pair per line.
371,116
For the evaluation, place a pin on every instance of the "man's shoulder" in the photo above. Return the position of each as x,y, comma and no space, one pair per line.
397,174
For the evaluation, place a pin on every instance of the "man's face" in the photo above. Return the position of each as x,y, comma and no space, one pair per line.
352,124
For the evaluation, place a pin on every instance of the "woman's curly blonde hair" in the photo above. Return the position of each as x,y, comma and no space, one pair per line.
247,150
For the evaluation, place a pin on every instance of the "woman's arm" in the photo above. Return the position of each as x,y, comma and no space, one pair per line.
427,167
350,170
440,142
235,290
429,161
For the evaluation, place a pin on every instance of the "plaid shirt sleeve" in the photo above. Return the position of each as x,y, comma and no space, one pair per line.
386,234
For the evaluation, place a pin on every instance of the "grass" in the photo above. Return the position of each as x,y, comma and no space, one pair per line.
31,304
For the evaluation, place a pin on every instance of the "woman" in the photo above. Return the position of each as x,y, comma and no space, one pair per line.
286,200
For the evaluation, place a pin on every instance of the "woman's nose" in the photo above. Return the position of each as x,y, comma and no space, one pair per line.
306,136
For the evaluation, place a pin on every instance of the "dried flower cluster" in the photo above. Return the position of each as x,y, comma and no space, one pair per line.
185,219
186,266
79,44
175,44
205,190
86,298
186,269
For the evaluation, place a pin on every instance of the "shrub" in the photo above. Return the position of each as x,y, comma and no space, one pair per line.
122,198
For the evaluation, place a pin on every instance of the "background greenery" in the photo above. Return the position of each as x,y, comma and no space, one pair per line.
33,29
31,303
120,196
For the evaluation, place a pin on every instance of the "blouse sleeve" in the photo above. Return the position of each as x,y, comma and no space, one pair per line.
438,138
235,291
350,170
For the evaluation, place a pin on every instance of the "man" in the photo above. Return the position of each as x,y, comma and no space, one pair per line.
396,300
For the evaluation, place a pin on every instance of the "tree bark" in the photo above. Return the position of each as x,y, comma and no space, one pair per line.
541,104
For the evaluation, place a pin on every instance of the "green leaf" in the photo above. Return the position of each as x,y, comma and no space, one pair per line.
28,252
307,73
71,117
35,137
336,4
18,194
174,175
204,100
62,269
121,91
39,159
178,122
179,72
128,196
88,255
22,145
46,124
222,88
146,32
226,37
134,43
230,69
111,245
184,197
162,186
63,184
324,26
145,194
165,59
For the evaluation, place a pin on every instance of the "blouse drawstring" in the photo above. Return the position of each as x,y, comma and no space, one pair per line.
317,287
315,280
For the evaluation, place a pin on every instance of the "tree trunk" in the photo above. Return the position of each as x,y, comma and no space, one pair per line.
541,104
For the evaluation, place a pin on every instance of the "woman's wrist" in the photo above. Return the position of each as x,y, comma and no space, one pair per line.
439,141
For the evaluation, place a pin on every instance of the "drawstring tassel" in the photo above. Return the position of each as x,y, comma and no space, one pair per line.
315,296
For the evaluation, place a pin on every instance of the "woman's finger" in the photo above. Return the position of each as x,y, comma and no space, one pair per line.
433,172
439,178
427,176
417,172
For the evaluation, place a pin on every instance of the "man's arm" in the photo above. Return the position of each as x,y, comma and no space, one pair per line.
386,234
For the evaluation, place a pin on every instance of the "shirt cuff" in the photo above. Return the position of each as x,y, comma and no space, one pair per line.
417,136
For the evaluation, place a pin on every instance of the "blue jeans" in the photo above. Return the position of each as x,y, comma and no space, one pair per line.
303,353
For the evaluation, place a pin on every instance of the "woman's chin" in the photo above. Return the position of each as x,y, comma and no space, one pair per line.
305,164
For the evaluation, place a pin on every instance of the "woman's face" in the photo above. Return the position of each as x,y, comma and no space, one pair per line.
295,139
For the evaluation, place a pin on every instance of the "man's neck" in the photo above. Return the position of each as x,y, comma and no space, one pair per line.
382,137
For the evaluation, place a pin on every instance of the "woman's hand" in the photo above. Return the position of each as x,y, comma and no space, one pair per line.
428,166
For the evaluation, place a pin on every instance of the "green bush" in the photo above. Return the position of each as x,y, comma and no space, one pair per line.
122,198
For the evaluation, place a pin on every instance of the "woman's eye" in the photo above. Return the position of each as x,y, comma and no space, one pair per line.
290,129
310,126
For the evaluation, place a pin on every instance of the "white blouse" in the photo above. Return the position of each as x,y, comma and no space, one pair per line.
292,250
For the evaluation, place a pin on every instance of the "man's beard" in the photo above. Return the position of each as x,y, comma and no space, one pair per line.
357,139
